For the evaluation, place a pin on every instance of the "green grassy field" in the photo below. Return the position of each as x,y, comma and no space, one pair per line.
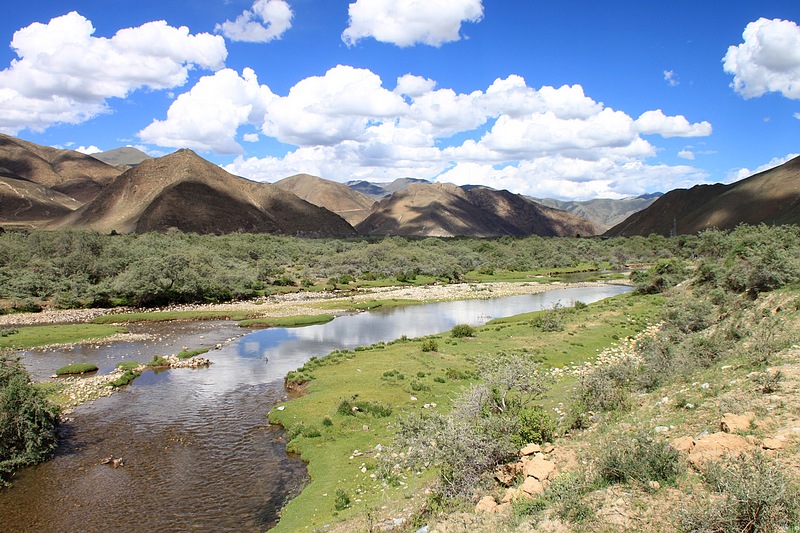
286,321
401,375
32,336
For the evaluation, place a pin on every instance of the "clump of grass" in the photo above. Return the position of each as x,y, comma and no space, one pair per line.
78,368
128,365
342,500
125,378
639,460
187,354
158,361
351,407
429,345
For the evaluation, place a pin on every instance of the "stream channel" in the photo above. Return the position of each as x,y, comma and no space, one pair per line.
198,450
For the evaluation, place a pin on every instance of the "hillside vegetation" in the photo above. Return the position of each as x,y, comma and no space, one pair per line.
670,409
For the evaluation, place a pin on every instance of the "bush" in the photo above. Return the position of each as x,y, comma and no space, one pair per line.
429,345
351,407
462,330
158,362
535,425
550,320
639,460
341,501
125,378
607,387
755,494
28,422
78,368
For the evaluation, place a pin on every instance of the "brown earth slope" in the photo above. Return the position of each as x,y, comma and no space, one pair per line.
603,212
66,171
769,197
446,210
127,156
184,191
337,197
25,202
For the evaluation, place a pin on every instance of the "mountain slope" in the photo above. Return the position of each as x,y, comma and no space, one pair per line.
66,171
184,191
769,197
127,155
378,191
603,212
341,199
445,210
22,201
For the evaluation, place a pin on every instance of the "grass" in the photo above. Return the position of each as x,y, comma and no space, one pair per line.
362,377
164,316
75,369
188,354
368,304
33,336
286,321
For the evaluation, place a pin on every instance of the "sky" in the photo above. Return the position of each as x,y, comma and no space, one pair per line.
569,99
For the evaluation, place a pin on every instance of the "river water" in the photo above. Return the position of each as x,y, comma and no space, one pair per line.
199,453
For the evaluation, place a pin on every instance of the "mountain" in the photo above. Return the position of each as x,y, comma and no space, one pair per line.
184,191
382,190
66,171
25,202
341,199
446,210
603,212
126,156
769,197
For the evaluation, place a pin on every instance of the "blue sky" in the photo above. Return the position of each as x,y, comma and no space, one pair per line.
568,99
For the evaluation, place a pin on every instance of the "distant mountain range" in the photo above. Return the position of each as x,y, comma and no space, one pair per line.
769,197
127,191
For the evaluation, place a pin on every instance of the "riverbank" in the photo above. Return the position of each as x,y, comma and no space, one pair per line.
298,303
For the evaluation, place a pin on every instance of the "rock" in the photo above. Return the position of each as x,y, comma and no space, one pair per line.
715,445
773,444
486,505
530,449
538,467
505,474
532,486
511,494
732,423
548,448
683,444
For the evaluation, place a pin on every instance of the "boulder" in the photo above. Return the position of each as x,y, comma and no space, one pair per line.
732,423
530,449
773,444
532,486
714,446
539,468
506,474
486,505
683,444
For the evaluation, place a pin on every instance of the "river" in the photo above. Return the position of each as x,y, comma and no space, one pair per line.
199,453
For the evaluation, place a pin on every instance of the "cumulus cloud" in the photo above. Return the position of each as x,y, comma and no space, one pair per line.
88,150
686,154
410,22
267,20
656,122
65,75
797,116
347,125
207,117
251,137
767,61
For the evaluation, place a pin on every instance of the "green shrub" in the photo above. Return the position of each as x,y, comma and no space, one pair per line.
462,330
550,320
439,379
28,422
341,501
327,422
351,407
429,345
78,368
125,378
158,361
535,425
755,494
639,460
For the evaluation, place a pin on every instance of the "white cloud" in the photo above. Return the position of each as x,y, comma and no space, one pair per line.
207,117
767,61
686,154
64,75
88,150
347,125
251,137
656,122
742,173
410,22
671,78
797,116
267,20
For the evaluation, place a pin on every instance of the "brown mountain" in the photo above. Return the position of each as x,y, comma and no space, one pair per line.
66,171
184,191
25,202
337,197
446,210
127,156
769,197
382,190
603,212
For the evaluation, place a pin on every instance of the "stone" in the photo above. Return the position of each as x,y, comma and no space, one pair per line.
715,445
548,448
511,494
505,474
532,486
732,423
683,444
773,444
530,449
486,505
538,467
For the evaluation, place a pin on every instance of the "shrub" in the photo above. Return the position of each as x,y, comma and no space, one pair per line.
607,387
351,407
327,422
462,330
158,361
429,345
639,460
755,494
550,319
535,425
78,368
341,501
125,378
28,422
